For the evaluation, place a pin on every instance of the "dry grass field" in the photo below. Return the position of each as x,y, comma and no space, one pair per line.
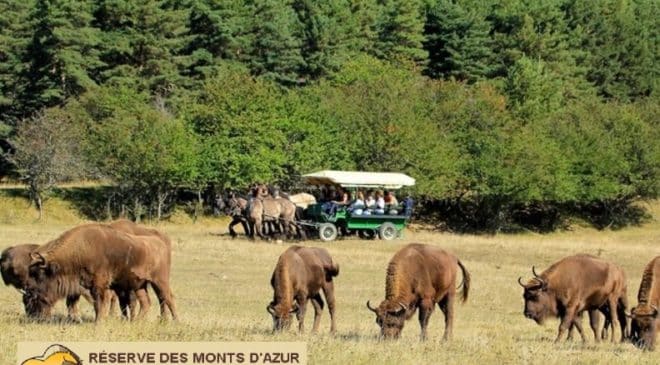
222,289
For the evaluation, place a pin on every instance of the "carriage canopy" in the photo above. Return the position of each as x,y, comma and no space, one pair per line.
349,179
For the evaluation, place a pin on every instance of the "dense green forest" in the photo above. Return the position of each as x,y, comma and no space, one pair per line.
509,113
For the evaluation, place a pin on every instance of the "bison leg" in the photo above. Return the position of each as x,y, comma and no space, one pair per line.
72,307
246,227
234,222
613,302
447,307
317,302
623,320
425,309
165,297
300,314
101,301
567,320
594,322
329,292
145,303
577,322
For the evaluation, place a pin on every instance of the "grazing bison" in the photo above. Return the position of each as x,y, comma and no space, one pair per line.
237,209
645,316
300,274
419,276
573,285
94,256
14,265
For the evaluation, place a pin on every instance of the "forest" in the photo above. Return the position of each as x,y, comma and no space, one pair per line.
511,114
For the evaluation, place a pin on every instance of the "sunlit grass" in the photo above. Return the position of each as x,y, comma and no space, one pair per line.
222,288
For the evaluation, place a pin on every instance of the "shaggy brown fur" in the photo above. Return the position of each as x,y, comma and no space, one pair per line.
14,265
419,276
645,316
94,256
300,274
573,285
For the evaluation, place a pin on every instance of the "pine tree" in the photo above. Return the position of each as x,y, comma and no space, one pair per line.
216,33
273,50
142,41
622,41
61,55
458,42
400,29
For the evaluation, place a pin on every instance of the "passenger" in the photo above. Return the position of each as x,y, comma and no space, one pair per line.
357,206
342,199
380,203
391,204
370,203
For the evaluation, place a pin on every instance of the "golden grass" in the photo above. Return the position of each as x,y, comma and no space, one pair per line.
222,289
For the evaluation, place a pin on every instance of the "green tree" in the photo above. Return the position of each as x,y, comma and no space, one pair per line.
216,32
62,54
621,38
274,51
458,42
141,44
400,29
46,151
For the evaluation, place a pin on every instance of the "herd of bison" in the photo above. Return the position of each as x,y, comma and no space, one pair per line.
116,262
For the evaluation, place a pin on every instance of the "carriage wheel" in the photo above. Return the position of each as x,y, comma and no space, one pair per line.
327,232
387,231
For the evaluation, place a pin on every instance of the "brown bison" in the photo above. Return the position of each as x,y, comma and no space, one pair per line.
300,274
645,317
419,276
573,285
96,257
14,265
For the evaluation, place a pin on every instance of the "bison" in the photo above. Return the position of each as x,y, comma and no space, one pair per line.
419,276
96,257
575,284
645,318
300,274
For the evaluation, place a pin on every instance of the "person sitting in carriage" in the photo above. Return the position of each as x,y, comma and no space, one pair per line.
380,203
391,204
342,199
357,206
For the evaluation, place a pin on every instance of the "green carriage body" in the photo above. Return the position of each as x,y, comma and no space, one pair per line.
385,226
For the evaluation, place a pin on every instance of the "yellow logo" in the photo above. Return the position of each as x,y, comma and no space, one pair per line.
55,355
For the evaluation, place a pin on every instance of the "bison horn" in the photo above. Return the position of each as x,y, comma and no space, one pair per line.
520,281
370,307
655,310
534,272
295,308
405,307
270,309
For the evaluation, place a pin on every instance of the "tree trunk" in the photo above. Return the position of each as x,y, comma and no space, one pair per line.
199,205
137,209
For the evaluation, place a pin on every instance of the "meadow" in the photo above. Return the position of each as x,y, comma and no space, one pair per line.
222,288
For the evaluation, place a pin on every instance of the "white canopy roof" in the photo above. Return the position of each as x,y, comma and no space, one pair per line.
389,180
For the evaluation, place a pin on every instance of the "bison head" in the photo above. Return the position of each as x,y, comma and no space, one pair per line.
40,296
390,316
644,326
282,315
540,303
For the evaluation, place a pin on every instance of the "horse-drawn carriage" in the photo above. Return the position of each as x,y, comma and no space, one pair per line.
330,219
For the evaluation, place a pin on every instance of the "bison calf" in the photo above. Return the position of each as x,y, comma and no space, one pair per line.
419,276
645,316
573,285
300,274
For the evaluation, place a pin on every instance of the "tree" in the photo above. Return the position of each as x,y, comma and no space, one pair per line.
458,42
400,29
274,51
216,32
141,44
46,152
328,33
62,54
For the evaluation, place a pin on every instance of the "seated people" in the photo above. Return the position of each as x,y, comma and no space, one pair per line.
357,206
369,203
342,199
391,204
380,203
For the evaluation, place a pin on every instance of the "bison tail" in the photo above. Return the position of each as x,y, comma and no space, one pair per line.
466,281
